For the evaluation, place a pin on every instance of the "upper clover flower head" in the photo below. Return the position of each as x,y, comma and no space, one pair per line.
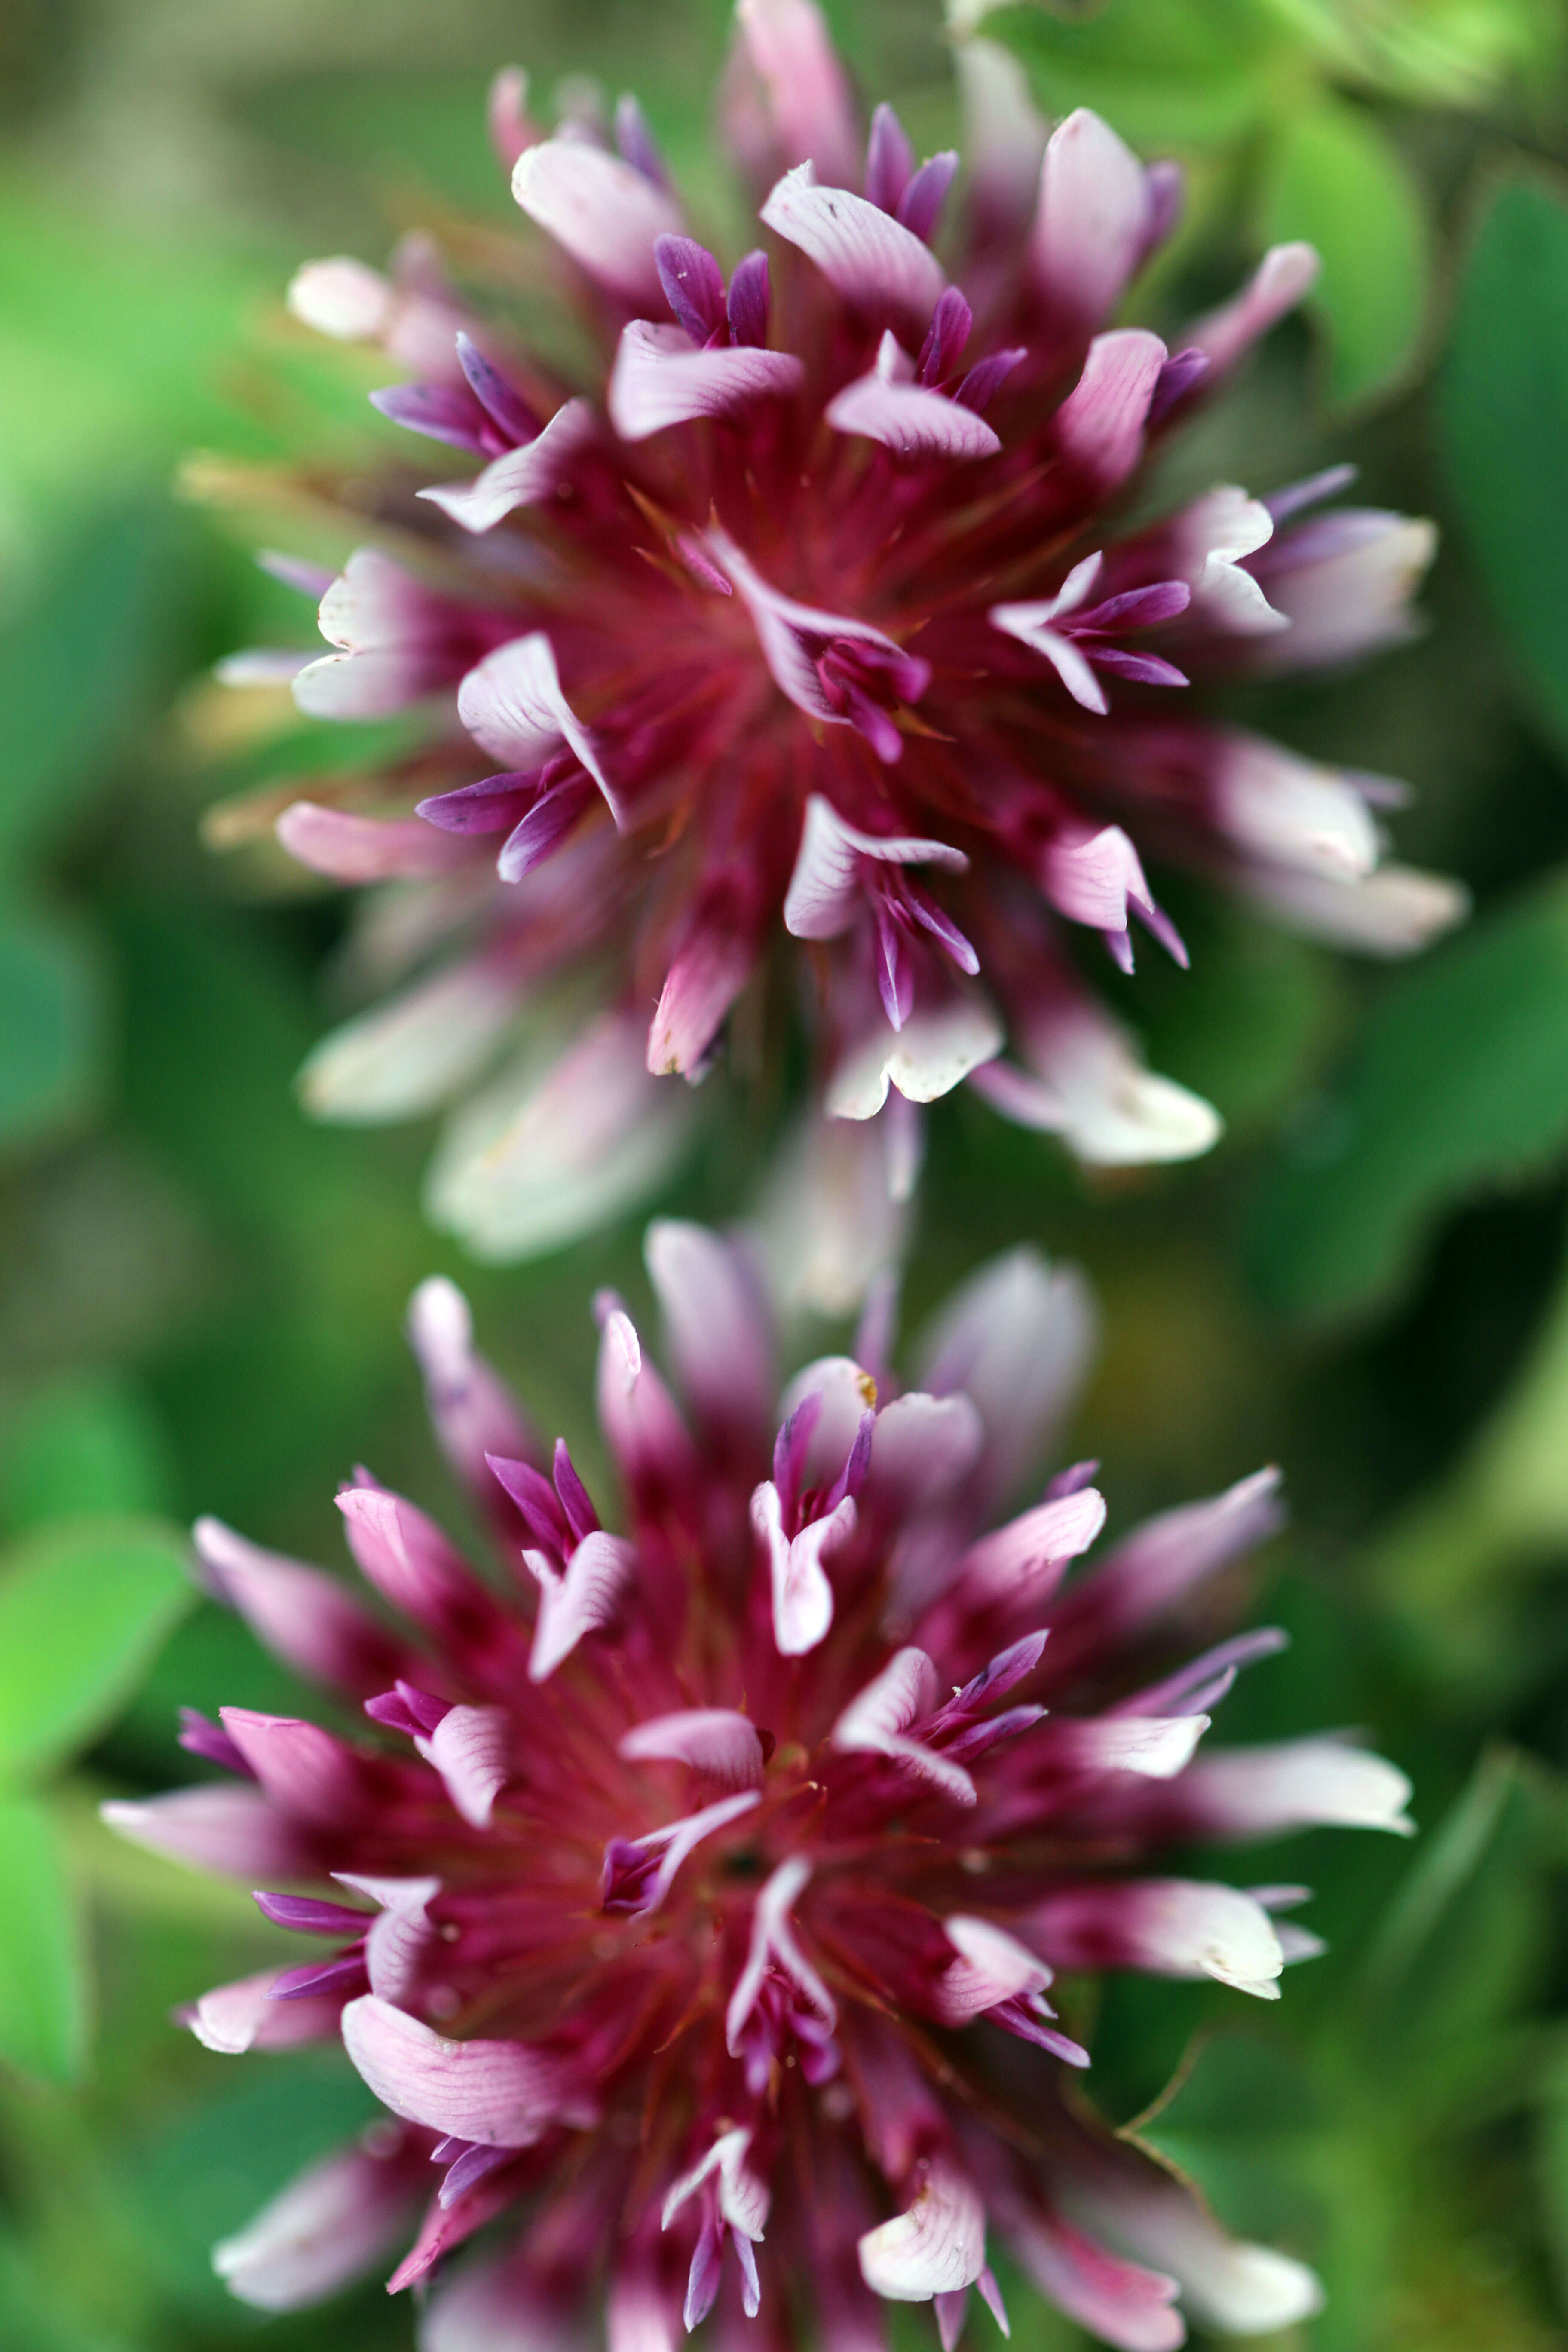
811,619
694,1898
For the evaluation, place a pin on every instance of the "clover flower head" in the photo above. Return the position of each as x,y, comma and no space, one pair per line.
702,1899
811,615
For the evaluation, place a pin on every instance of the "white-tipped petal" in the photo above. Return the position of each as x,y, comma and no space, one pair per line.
870,258
936,2247
600,210
519,477
661,379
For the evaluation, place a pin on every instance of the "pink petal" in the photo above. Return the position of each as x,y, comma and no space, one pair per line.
600,210
306,1618
870,258
789,633
405,1556
936,2247
713,1740
582,1601
1004,137
1024,1562
700,988
471,1750
775,1945
366,848
234,1832
1099,427
804,88
718,1332
825,893
238,2017
637,1415
335,2220
499,2093
300,1767
1128,2305
660,380
521,477
1017,1337
1091,230
922,1448
911,418
512,705
742,2197
473,1411
1090,877
991,1967
1284,274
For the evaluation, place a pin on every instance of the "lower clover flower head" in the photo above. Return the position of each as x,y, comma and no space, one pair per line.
693,1898
810,618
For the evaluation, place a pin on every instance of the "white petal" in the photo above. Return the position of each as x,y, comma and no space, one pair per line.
922,1448
1028,623
326,2227
1393,912
801,1594
1155,1747
867,256
399,1937
1302,1784
512,705
341,297
560,1145
1017,1337
416,1052
825,894
876,1723
742,2197
659,379
352,848
599,210
471,1750
937,2247
911,418
1290,811
938,1045
519,477
234,2018
581,1602
1086,1084
775,1945
1090,878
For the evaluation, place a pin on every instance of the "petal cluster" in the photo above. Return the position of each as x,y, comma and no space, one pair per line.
703,1901
804,629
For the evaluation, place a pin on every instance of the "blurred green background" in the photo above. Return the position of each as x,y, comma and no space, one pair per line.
201,1294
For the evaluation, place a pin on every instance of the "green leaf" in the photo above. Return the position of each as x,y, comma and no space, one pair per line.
1336,180
53,1024
1161,72
82,1444
1503,419
84,1607
1461,1081
41,2008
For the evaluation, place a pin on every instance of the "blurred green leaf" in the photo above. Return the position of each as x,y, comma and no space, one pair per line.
41,2010
53,1024
1460,1080
84,1607
1504,414
83,1444
1159,70
79,665
1336,180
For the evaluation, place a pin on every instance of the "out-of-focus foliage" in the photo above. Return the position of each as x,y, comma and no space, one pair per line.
1300,112
200,1294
